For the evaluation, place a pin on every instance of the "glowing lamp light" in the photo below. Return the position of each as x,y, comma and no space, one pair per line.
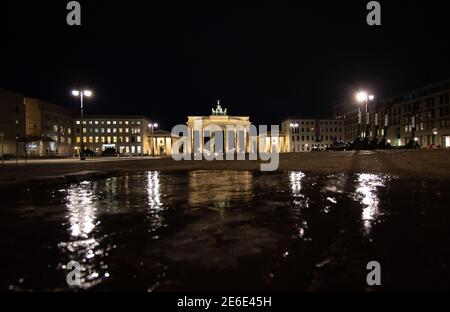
361,96
87,93
75,92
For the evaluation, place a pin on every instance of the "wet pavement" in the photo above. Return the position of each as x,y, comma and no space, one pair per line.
228,230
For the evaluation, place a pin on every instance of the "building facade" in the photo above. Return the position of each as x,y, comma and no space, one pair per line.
305,135
421,116
12,123
49,128
128,135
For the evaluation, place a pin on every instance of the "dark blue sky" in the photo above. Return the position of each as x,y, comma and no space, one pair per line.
266,59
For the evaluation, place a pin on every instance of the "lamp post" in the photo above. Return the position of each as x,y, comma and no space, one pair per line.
152,126
1,136
363,97
81,94
293,127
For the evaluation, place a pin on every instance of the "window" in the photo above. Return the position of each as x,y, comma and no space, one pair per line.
108,122
78,122
138,139
78,140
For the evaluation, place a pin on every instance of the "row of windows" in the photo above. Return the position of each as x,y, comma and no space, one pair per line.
317,138
109,139
108,122
321,122
110,130
296,130
61,139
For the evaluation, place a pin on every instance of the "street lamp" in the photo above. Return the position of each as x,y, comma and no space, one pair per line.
294,126
152,126
364,97
81,94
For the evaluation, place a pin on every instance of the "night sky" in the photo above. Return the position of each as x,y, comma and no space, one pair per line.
266,59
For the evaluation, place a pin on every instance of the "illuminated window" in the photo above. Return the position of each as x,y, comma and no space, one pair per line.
69,131
127,139
78,122
96,122
78,140
114,122
138,139
90,122
108,140
126,122
91,139
114,130
69,140
127,130
138,122
108,130
84,139
115,139
103,139
103,130
108,122
120,130
96,139
84,130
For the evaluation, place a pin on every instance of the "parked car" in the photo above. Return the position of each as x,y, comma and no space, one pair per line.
341,146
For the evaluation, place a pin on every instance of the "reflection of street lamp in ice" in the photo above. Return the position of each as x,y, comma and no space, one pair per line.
364,97
81,94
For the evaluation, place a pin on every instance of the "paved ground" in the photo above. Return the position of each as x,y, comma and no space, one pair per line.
72,160
424,164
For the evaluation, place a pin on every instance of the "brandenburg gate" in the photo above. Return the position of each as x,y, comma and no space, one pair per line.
219,133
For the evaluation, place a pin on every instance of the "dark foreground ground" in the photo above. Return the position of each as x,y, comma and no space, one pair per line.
420,164
228,230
